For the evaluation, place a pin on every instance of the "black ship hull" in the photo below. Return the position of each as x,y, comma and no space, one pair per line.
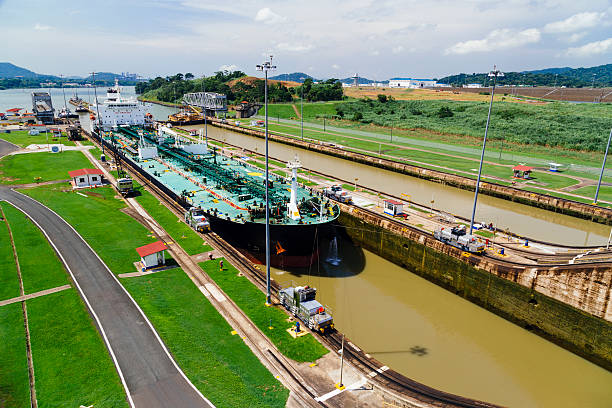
290,245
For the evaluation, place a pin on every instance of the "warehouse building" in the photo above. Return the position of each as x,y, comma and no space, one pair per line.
411,83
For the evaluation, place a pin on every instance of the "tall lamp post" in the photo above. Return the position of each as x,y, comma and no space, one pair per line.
204,111
93,76
494,74
302,110
265,67
603,166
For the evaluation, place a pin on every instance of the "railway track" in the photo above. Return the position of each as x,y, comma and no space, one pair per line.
371,368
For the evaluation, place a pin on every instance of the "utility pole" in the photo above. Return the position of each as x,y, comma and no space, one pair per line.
302,110
265,67
204,110
603,165
93,78
494,74
340,385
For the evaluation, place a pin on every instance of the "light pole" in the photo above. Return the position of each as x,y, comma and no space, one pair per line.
603,165
204,111
93,78
302,110
495,73
593,82
265,67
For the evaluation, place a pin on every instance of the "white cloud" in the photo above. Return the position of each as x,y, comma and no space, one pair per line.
335,66
575,37
41,27
398,49
289,47
497,39
576,22
593,48
267,16
374,53
228,67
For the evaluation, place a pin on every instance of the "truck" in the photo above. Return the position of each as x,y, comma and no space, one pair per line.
336,192
459,238
196,219
300,301
125,186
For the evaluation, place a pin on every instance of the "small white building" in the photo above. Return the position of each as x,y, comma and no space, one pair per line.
86,178
393,207
152,255
472,86
411,83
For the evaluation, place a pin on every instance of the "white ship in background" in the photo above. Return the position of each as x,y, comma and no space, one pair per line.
116,110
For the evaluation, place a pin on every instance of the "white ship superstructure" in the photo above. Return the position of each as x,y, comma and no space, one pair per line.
116,110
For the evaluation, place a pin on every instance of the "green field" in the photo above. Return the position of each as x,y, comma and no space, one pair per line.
40,267
98,218
33,167
252,301
71,363
180,232
14,378
311,110
9,280
22,138
218,363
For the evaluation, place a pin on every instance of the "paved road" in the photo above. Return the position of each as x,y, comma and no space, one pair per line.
6,147
150,375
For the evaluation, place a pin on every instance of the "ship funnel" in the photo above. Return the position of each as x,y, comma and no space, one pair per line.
292,209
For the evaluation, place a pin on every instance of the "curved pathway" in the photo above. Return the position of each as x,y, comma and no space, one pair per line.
149,374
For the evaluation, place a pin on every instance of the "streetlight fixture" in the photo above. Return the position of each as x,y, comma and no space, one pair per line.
603,165
265,67
494,74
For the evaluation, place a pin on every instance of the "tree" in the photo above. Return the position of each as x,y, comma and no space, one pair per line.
382,98
189,75
445,112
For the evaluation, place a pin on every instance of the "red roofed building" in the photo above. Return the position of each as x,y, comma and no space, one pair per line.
393,207
152,255
86,178
522,171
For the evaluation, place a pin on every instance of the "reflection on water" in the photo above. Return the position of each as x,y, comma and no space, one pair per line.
442,340
522,219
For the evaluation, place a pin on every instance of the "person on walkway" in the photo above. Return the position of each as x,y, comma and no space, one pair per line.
221,265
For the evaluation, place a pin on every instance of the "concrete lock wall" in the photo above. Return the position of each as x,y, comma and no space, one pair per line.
561,205
567,305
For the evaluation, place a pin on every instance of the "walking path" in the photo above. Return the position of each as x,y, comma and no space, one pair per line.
34,295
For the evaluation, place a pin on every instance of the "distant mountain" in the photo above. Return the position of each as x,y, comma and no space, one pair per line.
571,77
8,70
362,81
295,77
549,71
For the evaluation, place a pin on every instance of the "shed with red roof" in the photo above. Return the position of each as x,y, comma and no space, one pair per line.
152,255
86,177
522,171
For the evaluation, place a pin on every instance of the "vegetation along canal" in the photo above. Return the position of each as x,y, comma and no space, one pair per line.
519,218
427,333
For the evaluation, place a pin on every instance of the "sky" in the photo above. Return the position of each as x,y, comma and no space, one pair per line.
377,39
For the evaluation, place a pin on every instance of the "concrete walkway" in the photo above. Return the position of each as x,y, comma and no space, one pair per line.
148,372
34,295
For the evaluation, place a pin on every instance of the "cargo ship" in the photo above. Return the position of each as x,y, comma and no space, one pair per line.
230,191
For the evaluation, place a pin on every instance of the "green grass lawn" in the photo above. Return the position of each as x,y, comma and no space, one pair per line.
97,217
219,364
180,232
22,138
9,280
605,192
311,110
26,168
71,363
14,378
252,301
40,267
